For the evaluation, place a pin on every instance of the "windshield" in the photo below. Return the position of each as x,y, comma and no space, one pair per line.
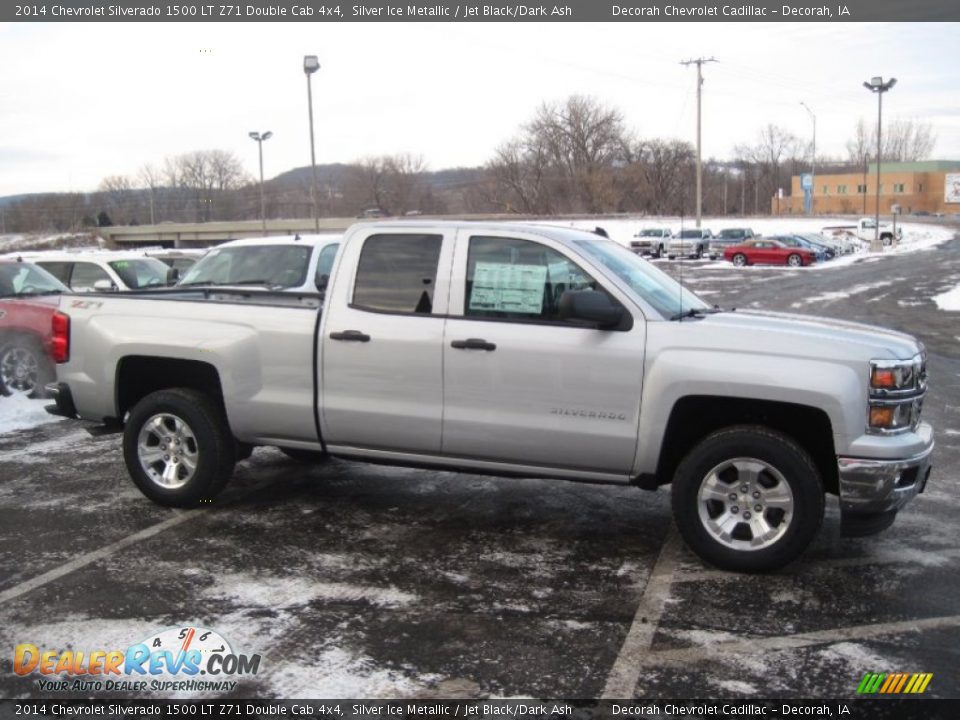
138,274
651,233
279,266
25,279
687,234
732,234
658,289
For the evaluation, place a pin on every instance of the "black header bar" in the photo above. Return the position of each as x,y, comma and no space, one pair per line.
332,11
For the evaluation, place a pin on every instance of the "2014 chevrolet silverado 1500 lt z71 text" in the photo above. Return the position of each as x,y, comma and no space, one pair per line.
513,350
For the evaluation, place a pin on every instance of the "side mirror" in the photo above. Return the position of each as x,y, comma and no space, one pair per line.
591,306
173,275
104,286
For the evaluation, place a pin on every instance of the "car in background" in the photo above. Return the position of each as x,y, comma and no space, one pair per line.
299,263
101,270
839,245
651,241
692,242
28,299
180,259
730,236
768,251
796,241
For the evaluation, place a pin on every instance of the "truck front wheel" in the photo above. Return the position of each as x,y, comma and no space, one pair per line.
178,447
748,499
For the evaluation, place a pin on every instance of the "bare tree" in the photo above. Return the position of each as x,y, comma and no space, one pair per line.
774,147
903,141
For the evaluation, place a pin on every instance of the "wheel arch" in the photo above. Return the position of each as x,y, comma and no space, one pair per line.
137,376
694,417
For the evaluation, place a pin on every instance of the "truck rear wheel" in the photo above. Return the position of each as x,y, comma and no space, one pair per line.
178,447
748,499
24,368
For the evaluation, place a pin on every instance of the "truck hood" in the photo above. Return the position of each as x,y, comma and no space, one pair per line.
796,335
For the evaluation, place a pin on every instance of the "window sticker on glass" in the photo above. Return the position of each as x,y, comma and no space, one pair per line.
503,287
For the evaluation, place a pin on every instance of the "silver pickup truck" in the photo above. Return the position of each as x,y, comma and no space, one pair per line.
513,350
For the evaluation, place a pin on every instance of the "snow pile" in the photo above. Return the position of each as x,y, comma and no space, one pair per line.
58,241
19,413
950,300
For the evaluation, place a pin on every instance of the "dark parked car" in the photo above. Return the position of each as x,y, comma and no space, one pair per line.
768,251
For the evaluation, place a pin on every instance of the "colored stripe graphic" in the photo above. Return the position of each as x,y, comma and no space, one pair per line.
894,683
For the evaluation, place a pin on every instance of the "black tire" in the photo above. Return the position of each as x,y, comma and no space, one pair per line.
308,457
886,240
659,253
24,368
740,260
794,260
721,463
699,253
207,440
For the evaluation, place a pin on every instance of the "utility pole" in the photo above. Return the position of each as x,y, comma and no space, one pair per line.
813,162
699,63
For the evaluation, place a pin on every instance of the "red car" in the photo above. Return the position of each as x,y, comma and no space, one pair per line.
29,295
764,251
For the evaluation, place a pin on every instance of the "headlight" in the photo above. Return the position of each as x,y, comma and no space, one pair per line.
896,389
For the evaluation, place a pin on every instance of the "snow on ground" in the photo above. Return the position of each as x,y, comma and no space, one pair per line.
19,413
949,300
57,241
916,236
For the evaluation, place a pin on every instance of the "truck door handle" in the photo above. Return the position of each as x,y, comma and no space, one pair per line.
473,344
350,336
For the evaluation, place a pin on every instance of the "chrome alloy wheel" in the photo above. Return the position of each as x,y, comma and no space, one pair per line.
168,452
20,370
745,504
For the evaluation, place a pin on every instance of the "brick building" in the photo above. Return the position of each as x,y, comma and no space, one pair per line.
914,186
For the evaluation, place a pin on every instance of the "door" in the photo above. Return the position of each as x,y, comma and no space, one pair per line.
381,366
523,386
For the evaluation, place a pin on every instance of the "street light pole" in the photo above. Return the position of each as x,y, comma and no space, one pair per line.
310,65
878,86
813,163
263,205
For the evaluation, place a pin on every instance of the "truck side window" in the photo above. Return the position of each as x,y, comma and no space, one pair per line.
397,273
515,279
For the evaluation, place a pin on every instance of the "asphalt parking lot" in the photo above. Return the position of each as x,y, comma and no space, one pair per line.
355,580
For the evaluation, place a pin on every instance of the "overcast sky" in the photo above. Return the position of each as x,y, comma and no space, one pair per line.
80,101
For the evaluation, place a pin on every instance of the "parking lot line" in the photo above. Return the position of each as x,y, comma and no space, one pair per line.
92,557
795,641
626,668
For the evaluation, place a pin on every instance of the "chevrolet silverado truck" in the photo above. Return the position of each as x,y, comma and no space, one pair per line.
518,350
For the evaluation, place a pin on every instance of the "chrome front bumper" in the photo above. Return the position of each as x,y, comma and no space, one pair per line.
869,487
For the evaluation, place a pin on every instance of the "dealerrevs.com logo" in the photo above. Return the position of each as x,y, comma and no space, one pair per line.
170,660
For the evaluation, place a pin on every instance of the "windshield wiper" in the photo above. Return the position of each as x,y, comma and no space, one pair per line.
696,313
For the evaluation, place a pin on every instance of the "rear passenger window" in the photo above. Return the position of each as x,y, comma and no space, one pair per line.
325,265
397,273
514,279
60,270
86,274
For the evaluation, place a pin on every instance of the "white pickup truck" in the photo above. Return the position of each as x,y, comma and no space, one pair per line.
864,230
512,350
